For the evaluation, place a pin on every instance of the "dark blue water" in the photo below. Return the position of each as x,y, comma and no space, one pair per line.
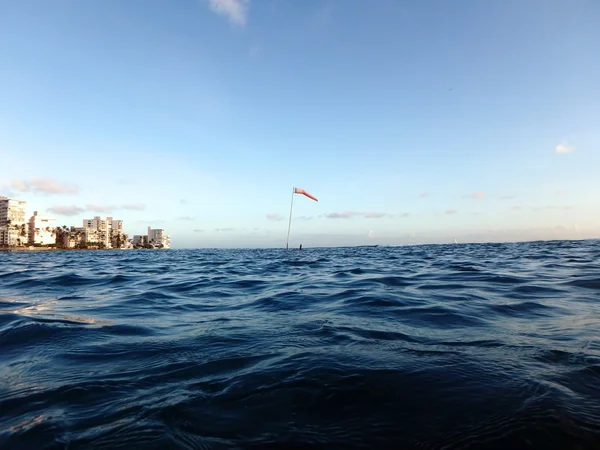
461,346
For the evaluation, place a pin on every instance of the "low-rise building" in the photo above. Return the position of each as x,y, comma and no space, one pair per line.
156,238
65,238
139,240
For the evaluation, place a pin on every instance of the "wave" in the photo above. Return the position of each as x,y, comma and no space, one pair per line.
470,346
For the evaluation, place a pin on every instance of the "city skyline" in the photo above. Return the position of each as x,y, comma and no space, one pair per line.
412,123
21,228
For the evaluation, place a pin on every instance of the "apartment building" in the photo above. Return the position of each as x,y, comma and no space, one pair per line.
159,238
105,232
42,230
13,226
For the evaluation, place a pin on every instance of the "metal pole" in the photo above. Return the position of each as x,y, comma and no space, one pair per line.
287,242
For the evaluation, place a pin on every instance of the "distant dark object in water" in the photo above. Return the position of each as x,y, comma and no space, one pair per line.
300,247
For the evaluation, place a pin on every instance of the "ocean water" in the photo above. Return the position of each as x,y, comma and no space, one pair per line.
493,346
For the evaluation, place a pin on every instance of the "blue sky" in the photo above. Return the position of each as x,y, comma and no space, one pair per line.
412,122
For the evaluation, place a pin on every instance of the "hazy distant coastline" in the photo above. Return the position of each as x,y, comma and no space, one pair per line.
60,249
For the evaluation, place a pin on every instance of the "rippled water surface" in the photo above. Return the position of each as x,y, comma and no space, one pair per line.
460,346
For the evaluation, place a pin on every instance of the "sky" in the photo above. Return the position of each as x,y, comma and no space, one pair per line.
412,122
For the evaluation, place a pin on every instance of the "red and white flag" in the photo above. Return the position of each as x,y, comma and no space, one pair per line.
303,192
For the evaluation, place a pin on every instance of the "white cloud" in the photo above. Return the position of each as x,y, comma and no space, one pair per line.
19,185
99,208
275,217
235,10
374,215
550,207
564,147
478,195
44,186
108,209
341,215
70,210
150,222
350,214
134,207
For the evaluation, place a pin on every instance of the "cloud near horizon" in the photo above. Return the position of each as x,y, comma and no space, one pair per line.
99,208
275,217
66,210
108,209
342,215
235,10
541,208
374,215
150,222
134,207
563,148
350,214
44,186
73,210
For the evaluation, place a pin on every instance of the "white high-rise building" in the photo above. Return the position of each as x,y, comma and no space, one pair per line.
13,226
159,238
115,225
95,231
108,232
42,230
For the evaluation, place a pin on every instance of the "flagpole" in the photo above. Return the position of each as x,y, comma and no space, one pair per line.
287,242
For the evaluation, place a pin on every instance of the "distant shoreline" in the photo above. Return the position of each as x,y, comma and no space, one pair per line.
54,249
